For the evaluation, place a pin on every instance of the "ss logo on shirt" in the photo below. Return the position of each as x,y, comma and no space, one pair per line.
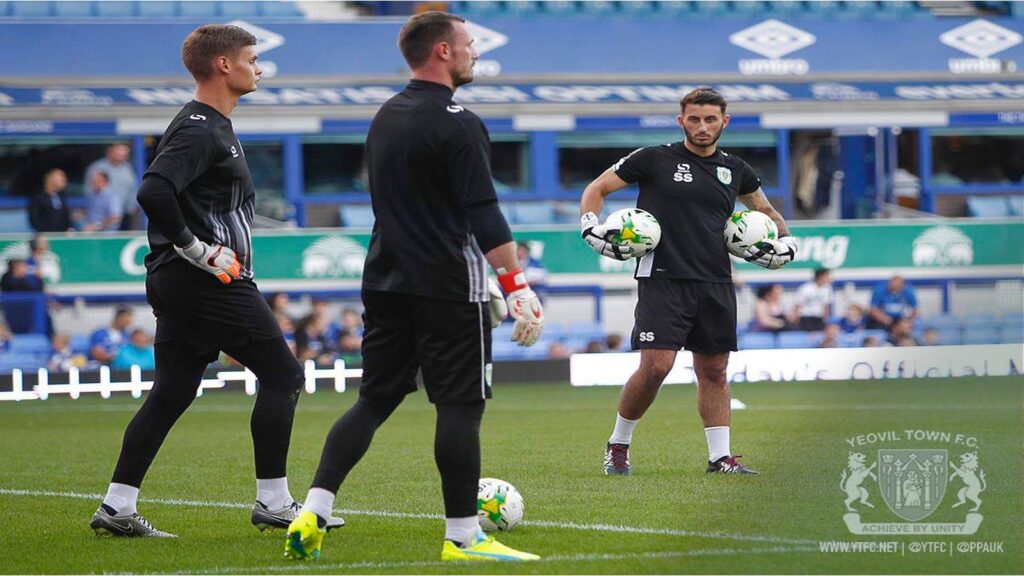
646,336
682,173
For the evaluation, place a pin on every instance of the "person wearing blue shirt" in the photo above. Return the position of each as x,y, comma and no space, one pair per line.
105,343
138,352
891,302
104,206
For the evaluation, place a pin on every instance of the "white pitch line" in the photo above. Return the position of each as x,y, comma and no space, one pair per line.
323,568
421,516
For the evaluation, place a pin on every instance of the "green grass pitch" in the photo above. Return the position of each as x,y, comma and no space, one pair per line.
56,457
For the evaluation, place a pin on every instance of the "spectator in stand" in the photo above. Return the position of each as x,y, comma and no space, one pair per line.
534,270
5,337
930,337
48,208
62,358
593,347
352,322
287,330
900,333
613,343
769,316
814,301
278,302
830,337
311,341
870,342
41,262
123,182
137,352
21,314
103,207
891,302
853,320
105,343
350,349
557,351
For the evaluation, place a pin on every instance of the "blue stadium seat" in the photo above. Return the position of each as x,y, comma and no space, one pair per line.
281,9
587,331
1016,203
30,344
597,8
14,221
638,8
979,319
674,8
749,8
555,331
897,9
944,321
616,205
524,9
786,8
849,340
560,8
950,337
502,332
535,213
1012,318
987,206
5,8
204,9
798,339
357,215
756,341
503,349
859,9
823,9
80,343
158,9
116,9
1012,333
26,9
709,9
880,335
241,9
26,362
73,9
482,8
981,335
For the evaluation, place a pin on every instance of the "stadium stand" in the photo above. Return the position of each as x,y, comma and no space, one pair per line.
146,9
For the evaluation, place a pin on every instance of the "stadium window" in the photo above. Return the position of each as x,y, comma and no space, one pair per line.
24,162
582,156
981,156
509,162
266,164
333,164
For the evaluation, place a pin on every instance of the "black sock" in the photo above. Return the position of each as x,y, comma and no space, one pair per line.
349,439
457,453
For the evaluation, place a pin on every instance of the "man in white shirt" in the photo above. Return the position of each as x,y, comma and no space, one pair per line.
123,181
814,301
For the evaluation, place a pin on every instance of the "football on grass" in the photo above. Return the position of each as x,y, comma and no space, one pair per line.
745,229
499,505
637,228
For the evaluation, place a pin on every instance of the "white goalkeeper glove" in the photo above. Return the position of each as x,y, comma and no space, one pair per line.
596,234
496,305
523,306
220,261
772,254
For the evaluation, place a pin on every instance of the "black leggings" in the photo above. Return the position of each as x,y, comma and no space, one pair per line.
179,371
456,448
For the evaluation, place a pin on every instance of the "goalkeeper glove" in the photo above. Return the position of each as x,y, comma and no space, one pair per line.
523,306
220,261
773,254
595,235
496,305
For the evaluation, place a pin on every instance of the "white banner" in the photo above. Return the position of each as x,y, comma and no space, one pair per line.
817,364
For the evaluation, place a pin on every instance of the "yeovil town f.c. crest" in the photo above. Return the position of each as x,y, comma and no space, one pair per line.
724,175
912,483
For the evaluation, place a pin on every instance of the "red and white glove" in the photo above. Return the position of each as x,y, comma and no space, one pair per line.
496,305
523,306
220,261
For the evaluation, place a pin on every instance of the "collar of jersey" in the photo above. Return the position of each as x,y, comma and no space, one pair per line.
432,87
686,151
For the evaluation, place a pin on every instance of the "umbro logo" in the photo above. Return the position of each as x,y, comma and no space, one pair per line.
197,117
772,38
981,38
455,109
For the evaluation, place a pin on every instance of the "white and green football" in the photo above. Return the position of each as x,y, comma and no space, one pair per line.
499,505
637,228
745,229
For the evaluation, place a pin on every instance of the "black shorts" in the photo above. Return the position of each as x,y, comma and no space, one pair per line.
449,341
192,306
674,314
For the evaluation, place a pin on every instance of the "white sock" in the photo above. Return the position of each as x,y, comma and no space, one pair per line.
273,492
319,502
718,442
461,530
122,498
623,433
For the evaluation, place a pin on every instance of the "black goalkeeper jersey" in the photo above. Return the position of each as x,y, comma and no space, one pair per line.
691,197
428,160
201,157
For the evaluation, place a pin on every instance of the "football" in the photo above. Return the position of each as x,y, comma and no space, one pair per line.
747,228
637,228
499,505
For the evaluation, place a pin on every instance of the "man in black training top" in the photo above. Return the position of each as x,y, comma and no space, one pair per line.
686,296
199,198
425,287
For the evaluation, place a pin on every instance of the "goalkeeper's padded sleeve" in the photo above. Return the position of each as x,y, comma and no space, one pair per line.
488,225
157,198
